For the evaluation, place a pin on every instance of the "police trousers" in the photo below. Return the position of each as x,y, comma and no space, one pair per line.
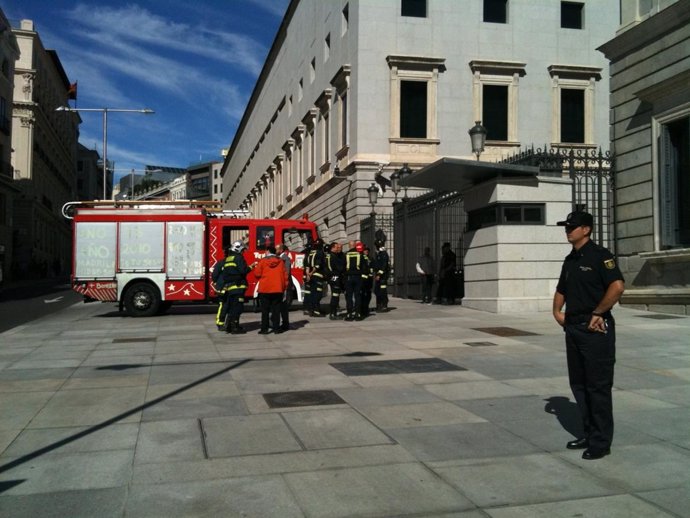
591,357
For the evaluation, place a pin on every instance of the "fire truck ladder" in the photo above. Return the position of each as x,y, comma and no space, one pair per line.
69,208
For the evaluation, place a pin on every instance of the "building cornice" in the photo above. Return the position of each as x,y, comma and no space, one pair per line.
646,32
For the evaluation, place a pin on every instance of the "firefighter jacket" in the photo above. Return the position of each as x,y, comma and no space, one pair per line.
316,263
335,265
230,274
356,263
382,264
272,275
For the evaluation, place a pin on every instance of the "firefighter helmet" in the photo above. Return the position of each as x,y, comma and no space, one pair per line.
237,247
359,247
378,244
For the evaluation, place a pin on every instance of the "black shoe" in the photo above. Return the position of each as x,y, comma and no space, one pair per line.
591,454
578,444
316,314
285,328
349,317
264,332
359,318
279,331
220,328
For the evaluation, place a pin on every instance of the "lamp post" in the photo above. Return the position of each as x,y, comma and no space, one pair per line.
104,111
398,182
478,138
373,192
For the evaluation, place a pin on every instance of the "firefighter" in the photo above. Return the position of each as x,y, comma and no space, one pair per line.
316,271
355,271
230,278
382,268
367,282
335,271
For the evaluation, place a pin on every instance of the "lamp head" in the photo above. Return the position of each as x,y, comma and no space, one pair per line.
478,137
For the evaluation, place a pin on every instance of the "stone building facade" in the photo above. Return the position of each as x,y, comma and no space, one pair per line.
44,144
9,53
352,90
650,134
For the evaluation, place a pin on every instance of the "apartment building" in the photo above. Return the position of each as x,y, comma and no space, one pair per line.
44,144
650,134
352,90
9,53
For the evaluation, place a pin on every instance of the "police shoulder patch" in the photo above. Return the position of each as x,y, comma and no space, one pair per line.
610,264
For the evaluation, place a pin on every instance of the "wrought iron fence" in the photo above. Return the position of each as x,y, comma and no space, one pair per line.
438,217
425,221
592,173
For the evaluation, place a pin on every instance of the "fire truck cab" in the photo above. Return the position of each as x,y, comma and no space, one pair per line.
147,255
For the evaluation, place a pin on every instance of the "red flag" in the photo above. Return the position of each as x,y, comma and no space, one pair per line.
72,91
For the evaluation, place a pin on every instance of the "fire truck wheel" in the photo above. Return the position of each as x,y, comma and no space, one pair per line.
142,300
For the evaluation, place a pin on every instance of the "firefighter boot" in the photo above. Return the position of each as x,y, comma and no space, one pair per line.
235,328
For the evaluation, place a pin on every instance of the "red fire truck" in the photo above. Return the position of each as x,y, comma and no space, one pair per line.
148,255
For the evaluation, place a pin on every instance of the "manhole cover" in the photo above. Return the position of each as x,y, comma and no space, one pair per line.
302,398
660,317
504,331
479,344
133,340
411,366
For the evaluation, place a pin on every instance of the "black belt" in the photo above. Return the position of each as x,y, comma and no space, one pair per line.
582,318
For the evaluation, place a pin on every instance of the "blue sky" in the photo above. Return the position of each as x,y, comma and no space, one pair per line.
194,62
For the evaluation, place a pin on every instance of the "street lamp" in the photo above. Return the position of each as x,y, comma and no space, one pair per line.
104,111
373,192
478,138
397,182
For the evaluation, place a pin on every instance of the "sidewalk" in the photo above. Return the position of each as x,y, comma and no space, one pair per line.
433,411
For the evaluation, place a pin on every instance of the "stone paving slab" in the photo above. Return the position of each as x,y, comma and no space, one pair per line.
245,496
103,503
528,479
376,490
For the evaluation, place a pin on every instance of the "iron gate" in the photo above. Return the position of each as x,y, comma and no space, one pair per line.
438,217
592,174
426,221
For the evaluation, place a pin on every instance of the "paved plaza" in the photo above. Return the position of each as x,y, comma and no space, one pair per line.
433,411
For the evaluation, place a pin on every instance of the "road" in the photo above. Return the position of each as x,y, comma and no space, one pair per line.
24,302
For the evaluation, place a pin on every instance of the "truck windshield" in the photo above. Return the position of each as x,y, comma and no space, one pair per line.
296,240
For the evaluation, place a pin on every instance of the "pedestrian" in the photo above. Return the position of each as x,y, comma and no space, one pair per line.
367,282
284,253
335,272
382,269
426,266
355,271
272,277
230,281
590,284
316,268
446,276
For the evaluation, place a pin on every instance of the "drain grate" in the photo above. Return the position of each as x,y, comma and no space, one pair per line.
302,398
660,317
479,344
134,340
504,331
411,366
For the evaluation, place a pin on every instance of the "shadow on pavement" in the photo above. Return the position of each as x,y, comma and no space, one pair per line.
567,414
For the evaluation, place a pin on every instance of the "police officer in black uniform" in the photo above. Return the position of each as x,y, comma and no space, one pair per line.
230,278
382,268
335,271
589,286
